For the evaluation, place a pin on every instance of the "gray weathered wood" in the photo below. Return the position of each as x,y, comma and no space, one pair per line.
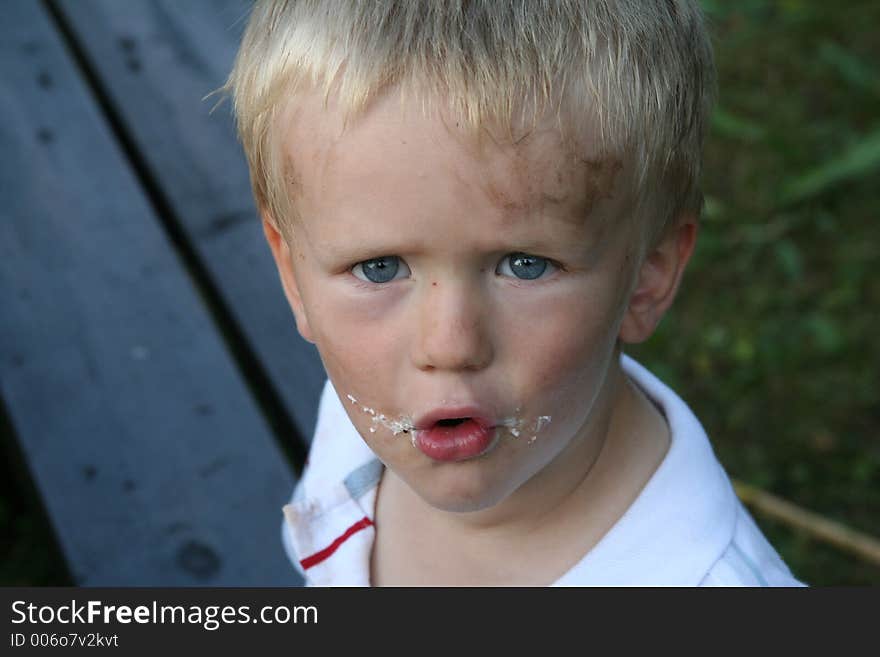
157,59
152,459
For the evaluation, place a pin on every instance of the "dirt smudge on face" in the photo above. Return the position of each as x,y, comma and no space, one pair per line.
598,180
504,200
541,172
518,189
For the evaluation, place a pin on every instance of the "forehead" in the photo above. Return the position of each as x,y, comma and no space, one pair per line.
330,155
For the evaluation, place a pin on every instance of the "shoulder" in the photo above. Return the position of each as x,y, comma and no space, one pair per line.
749,560
686,527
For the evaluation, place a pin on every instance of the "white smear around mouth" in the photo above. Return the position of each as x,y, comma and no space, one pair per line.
405,424
542,421
514,425
517,425
401,425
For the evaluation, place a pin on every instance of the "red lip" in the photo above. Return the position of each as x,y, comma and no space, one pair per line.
465,440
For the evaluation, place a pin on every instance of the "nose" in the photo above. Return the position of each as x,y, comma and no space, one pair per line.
453,332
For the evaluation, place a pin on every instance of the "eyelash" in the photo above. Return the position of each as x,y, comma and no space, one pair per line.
550,268
365,279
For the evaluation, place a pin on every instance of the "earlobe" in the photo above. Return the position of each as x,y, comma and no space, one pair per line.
283,261
658,282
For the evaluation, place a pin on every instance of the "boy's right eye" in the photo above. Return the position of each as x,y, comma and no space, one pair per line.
380,270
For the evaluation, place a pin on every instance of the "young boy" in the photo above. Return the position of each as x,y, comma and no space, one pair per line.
473,205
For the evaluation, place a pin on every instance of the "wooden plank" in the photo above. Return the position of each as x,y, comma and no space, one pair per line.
152,459
157,59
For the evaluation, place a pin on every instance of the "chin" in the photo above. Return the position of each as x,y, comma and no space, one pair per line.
460,494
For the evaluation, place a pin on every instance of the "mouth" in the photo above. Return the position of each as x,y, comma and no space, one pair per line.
453,416
452,422
454,435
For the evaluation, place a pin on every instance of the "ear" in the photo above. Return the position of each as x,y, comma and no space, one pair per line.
284,262
658,280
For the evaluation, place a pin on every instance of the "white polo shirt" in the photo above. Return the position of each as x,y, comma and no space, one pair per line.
686,527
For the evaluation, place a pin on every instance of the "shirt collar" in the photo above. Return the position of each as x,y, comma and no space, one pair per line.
329,522
684,517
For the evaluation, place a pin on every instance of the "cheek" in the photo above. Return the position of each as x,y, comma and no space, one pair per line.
567,352
357,363
358,342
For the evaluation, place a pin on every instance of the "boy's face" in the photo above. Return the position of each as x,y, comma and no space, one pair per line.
444,280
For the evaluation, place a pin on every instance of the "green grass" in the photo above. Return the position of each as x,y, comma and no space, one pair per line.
772,339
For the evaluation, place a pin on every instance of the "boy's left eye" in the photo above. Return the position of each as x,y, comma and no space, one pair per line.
524,266
380,270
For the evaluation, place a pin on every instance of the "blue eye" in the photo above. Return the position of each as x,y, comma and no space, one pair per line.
523,266
380,270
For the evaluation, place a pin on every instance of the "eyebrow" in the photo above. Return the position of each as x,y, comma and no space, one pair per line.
351,251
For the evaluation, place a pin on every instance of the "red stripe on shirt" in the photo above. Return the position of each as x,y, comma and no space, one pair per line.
321,555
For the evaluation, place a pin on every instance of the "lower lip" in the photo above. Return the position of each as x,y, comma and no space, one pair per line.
458,443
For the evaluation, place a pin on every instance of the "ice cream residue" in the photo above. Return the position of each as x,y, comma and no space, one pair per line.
403,424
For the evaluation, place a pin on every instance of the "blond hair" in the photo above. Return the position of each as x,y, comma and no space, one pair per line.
637,72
